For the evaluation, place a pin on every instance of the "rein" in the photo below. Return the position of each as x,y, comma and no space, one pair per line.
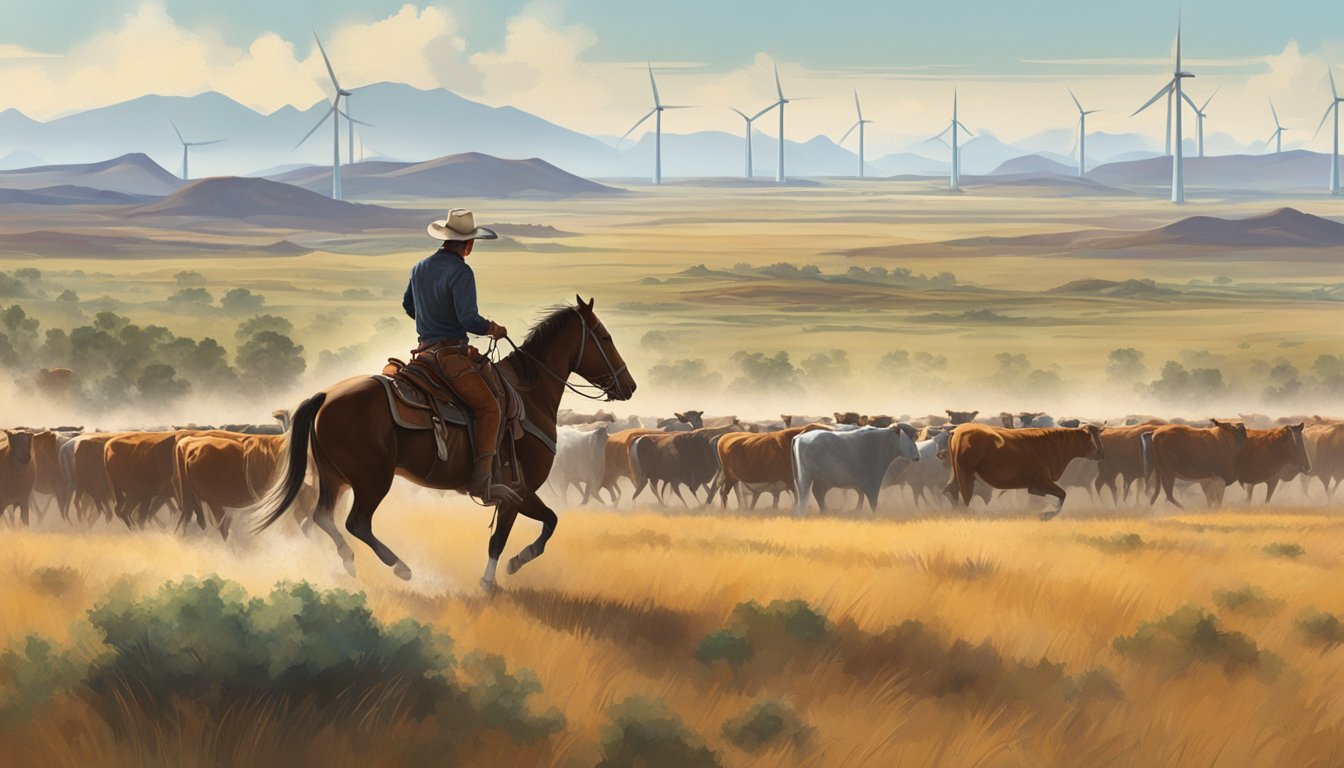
610,381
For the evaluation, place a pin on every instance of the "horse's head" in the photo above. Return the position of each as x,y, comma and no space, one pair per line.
598,360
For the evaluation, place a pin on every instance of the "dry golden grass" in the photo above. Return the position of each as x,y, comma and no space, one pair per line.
619,602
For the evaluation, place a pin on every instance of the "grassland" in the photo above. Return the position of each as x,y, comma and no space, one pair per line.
620,603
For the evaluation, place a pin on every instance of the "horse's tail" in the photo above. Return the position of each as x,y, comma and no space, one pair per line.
636,470
300,437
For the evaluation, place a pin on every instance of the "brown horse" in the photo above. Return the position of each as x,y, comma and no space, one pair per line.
355,443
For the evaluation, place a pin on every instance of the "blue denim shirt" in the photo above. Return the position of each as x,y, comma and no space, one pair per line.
441,296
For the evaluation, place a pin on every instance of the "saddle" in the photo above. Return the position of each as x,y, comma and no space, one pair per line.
419,399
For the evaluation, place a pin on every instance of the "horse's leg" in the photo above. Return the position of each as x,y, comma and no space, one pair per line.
534,508
505,514
369,493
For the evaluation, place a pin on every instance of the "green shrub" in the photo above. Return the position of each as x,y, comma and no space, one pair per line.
723,645
1321,628
1249,600
1284,549
55,581
766,724
643,733
1189,635
500,700
30,676
778,631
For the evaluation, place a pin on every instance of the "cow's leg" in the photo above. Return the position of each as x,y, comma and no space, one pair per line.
819,494
802,484
1269,490
1250,493
369,493
871,494
536,509
729,485
504,516
1045,487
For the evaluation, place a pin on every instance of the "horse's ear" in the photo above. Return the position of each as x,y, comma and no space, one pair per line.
590,304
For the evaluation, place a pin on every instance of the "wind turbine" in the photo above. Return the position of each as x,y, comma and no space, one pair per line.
657,114
1199,115
336,113
955,176
1335,101
1082,132
1277,135
187,145
1173,90
859,123
779,89
749,121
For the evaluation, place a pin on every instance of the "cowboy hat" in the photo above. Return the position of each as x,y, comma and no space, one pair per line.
460,225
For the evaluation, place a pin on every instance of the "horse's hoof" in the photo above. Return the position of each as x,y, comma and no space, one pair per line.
489,586
1046,516
349,566
402,571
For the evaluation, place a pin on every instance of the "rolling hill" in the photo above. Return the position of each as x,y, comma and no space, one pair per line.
469,175
1294,169
133,174
269,203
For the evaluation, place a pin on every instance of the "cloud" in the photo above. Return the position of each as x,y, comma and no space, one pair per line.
540,68
10,52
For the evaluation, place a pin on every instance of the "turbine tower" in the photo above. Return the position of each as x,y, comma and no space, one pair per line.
1277,135
1199,115
749,121
955,177
1335,101
1082,132
657,114
187,145
1172,90
859,123
335,113
779,89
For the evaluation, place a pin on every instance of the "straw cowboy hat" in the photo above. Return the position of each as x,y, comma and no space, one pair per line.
460,225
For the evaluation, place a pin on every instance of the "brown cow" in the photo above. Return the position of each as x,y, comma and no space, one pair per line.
677,458
1123,459
16,472
1268,453
618,459
1325,447
745,457
48,479
957,417
222,473
91,486
141,469
1180,451
1031,459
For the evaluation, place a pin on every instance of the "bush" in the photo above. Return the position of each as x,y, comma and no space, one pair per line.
1190,635
501,700
1284,549
1118,542
242,300
643,733
1248,600
766,724
55,581
192,296
30,676
1321,628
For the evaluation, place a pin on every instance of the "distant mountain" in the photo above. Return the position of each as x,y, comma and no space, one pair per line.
1032,164
133,174
52,243
20,158
1294,169
470,175
272,204
720,154
67,194
1045,184
910,164
1102,147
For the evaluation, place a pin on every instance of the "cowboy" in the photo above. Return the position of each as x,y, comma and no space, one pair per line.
441,296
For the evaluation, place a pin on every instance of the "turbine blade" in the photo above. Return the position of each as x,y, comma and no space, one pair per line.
681,106
779,89
857,107
763,111
1274,112
964,128
1165,89
203,143
327,61
1333,105
1272,134
1093,111
356,122
641,122
654,83
1075,102
741,113
1333,91
1211,95
846,136
940,136
1189,101
313,130
179,133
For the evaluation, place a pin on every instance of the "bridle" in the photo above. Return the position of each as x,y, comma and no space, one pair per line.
609,384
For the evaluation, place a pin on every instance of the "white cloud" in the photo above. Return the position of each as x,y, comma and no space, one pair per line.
540,69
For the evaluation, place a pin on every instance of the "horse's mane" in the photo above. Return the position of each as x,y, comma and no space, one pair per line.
541,336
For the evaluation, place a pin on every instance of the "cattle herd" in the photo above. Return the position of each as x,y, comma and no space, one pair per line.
202,476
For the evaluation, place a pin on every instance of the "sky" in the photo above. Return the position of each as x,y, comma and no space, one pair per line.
579,62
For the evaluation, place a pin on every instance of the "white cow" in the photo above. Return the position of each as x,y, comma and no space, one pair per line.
856,459
580,460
